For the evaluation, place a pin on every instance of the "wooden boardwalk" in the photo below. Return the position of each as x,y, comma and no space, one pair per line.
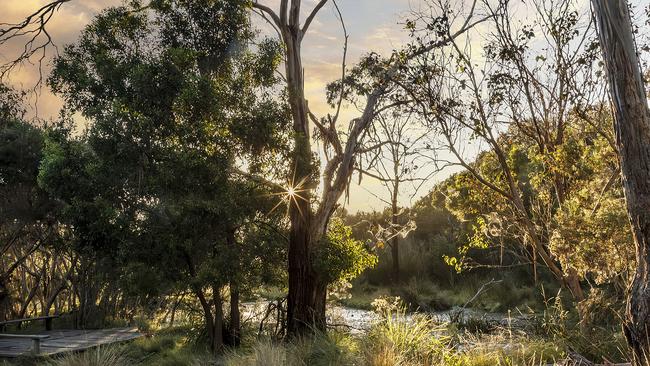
61,341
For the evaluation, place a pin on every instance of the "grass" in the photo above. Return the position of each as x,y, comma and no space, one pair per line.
504,347
332,348
401,340
390,345
100,356
170,347
397,338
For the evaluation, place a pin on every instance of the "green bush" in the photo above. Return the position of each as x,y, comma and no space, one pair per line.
340,257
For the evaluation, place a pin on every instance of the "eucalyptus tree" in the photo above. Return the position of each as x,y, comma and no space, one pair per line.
307,288
28,226
528,82
309,215
177,99
632,126
394,158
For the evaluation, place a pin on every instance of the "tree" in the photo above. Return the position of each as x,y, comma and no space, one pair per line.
396,162
517,93
28,225
309,221
177,99
583,233
632,126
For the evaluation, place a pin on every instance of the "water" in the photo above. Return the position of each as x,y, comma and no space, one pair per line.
359,320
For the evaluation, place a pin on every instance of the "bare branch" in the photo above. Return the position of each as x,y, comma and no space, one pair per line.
265,9
328,133
270,21
311,17
34,28
343,66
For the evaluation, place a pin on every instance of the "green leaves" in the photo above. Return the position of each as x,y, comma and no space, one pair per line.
477,239
176,95
340,257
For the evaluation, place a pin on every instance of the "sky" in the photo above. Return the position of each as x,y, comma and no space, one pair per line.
373,25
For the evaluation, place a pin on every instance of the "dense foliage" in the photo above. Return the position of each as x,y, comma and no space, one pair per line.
160,193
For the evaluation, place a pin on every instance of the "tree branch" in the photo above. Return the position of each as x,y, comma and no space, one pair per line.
269,12
33,27
311,17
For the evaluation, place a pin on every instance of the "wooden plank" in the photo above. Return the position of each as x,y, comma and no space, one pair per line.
28,336
61,341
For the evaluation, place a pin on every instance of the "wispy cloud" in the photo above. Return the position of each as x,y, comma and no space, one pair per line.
372,25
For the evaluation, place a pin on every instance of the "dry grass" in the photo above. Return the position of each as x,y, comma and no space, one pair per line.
264,353
100,356
396,339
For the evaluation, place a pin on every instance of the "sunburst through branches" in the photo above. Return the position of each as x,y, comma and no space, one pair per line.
291,194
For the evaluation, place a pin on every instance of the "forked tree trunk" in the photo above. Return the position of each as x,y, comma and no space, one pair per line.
307,291
632,127
213,320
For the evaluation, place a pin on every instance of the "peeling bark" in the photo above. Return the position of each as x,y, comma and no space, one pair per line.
632,127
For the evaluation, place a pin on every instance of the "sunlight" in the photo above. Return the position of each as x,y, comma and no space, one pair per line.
291,192
331,182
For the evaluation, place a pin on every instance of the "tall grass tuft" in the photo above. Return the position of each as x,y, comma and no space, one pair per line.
263,353
320,349
399,339
100,356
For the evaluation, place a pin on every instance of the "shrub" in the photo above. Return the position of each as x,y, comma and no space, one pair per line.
321,349
341,257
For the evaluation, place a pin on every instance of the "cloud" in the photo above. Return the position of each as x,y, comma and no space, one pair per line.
372,25
64,28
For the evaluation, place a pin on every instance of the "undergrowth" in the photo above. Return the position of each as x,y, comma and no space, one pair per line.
396,338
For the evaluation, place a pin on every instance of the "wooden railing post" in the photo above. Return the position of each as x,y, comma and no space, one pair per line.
36,346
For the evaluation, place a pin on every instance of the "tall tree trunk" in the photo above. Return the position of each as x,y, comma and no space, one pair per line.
235,317
394,246
632,127
307,291
217,330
